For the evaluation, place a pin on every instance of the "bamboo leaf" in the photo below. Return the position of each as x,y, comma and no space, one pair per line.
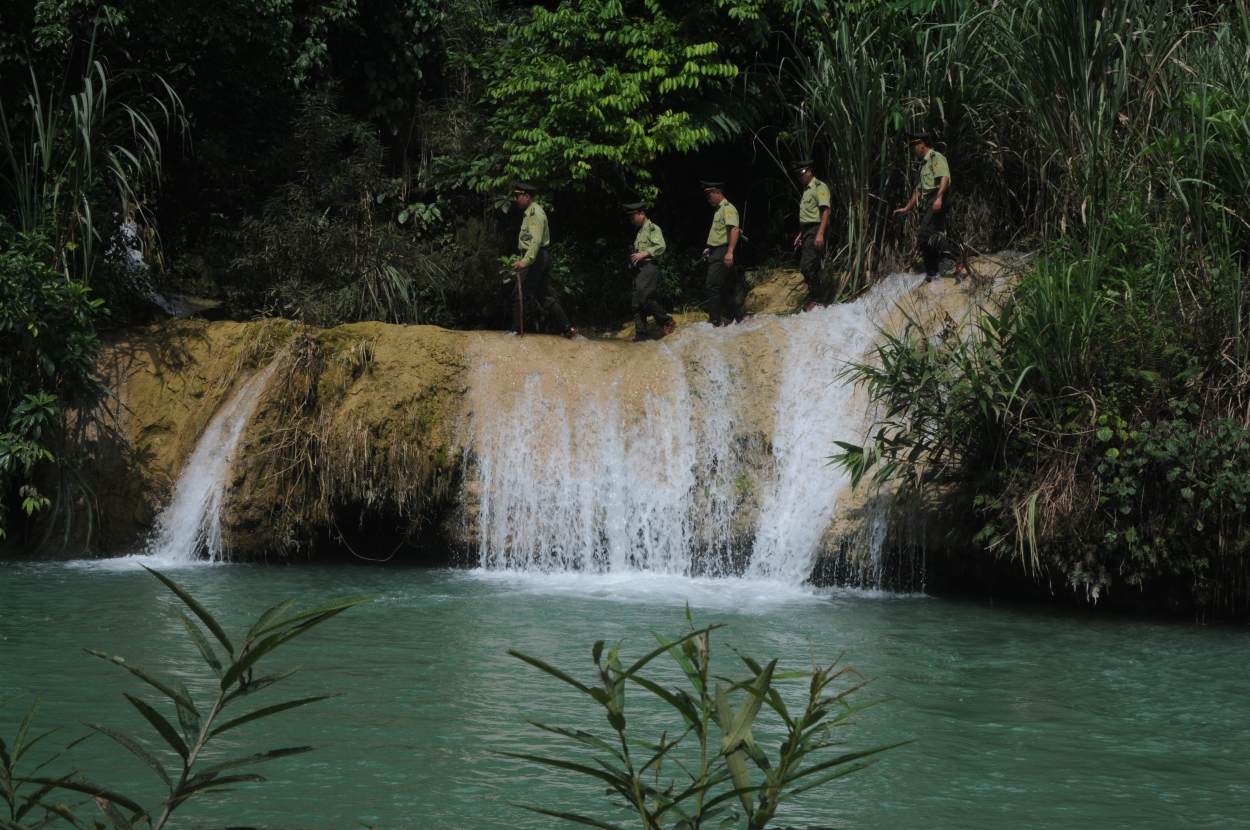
623,786
268,710
667,647
325,609
82,785
274,612
259,758
189,719
589,822
31,744
134,747
113,814
687,711
161,725
193,788
740,728
201,642
155,683
257,685
827,778
23,728
551,670
196,609
579,735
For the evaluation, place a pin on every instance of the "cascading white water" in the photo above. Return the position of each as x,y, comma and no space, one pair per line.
705,454
189,528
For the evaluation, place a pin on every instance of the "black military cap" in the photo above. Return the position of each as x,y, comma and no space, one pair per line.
798,168
634,207
522,187
711,186
916,138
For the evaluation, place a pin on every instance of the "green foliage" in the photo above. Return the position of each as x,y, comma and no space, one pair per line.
48,347
193,727
688,775
590,93
344,241
80,172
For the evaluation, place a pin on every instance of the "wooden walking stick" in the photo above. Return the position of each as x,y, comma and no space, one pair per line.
520,297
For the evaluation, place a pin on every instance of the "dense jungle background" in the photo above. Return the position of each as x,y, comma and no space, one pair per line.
346,160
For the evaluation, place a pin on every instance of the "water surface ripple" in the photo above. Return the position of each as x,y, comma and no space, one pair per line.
1027,717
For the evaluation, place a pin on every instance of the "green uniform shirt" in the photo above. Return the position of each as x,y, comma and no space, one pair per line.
815,196
650,239
726,217
931,173
534,233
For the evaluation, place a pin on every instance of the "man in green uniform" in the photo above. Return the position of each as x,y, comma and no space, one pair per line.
534,265
721,242
813,222
932,186
645,259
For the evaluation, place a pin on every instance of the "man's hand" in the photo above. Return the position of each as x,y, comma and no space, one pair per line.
729,259
820,241
902,210
798,238
705,251
937,203
518,265
638,257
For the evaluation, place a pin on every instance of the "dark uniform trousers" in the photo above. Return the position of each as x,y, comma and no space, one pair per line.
643,299
721,287
534,282
810,263
932,238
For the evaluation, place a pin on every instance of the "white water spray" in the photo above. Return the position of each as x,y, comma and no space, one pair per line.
189,528
703,455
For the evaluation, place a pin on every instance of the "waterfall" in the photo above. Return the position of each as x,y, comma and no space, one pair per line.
705,454
190,525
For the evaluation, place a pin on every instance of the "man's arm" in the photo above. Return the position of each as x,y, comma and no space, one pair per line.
911,203
820,232
943,183
733,243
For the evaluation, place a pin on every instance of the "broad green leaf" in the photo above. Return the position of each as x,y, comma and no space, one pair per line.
268,710
196,609
161,725
134,747
155,683
201,642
